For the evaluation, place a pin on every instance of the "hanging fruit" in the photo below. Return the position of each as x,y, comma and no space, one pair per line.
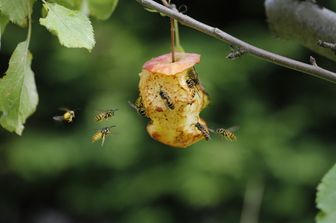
172,98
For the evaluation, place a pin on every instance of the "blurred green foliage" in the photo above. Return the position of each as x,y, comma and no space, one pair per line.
286,139
326,198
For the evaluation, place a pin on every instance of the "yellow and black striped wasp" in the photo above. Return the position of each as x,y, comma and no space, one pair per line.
228,133
68,115
106,114
168,101
203,130
102,133
193,81
139,107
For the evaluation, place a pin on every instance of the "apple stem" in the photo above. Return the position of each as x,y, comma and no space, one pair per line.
172,31
172,38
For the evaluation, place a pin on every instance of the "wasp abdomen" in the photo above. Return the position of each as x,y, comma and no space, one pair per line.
203,130
167,99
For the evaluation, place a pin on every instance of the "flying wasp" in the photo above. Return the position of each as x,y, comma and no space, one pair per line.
203,130
139,107
167,99
68,115
103,115
228,133
101,134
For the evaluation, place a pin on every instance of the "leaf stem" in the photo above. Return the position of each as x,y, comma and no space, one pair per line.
29,23
177,37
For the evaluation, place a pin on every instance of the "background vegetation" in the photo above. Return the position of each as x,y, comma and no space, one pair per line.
286,141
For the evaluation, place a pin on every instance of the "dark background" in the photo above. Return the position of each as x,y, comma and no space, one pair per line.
54,174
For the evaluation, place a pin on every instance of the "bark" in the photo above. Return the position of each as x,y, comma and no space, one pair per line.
304,22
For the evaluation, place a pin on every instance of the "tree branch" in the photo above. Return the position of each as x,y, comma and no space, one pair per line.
248,48
305,22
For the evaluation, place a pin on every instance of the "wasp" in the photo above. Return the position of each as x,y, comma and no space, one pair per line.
167,99
103,115
236,53
228,133
192,81
68,115
139,107
203,130
101,134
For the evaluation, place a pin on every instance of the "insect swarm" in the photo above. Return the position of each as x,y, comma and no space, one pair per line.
169,102
68,115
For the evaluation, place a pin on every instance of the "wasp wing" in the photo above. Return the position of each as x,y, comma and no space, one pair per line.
233,128
58,118
133,106
211,130
103,140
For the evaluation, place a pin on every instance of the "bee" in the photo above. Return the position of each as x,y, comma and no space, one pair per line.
167,99
228,133
101,134
103,115
68,115
139,107
203,130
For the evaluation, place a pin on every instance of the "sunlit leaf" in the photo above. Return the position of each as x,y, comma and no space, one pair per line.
72,4
326,198
16,10
18,91
72,28
102,9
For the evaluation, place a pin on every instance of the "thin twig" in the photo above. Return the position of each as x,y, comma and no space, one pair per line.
327,45
225,37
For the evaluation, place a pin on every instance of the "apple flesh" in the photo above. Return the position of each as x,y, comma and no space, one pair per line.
172,126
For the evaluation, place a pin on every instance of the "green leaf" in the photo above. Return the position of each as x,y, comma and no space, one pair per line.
16,10
71,4
72,28
102,9
326,198
18,90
